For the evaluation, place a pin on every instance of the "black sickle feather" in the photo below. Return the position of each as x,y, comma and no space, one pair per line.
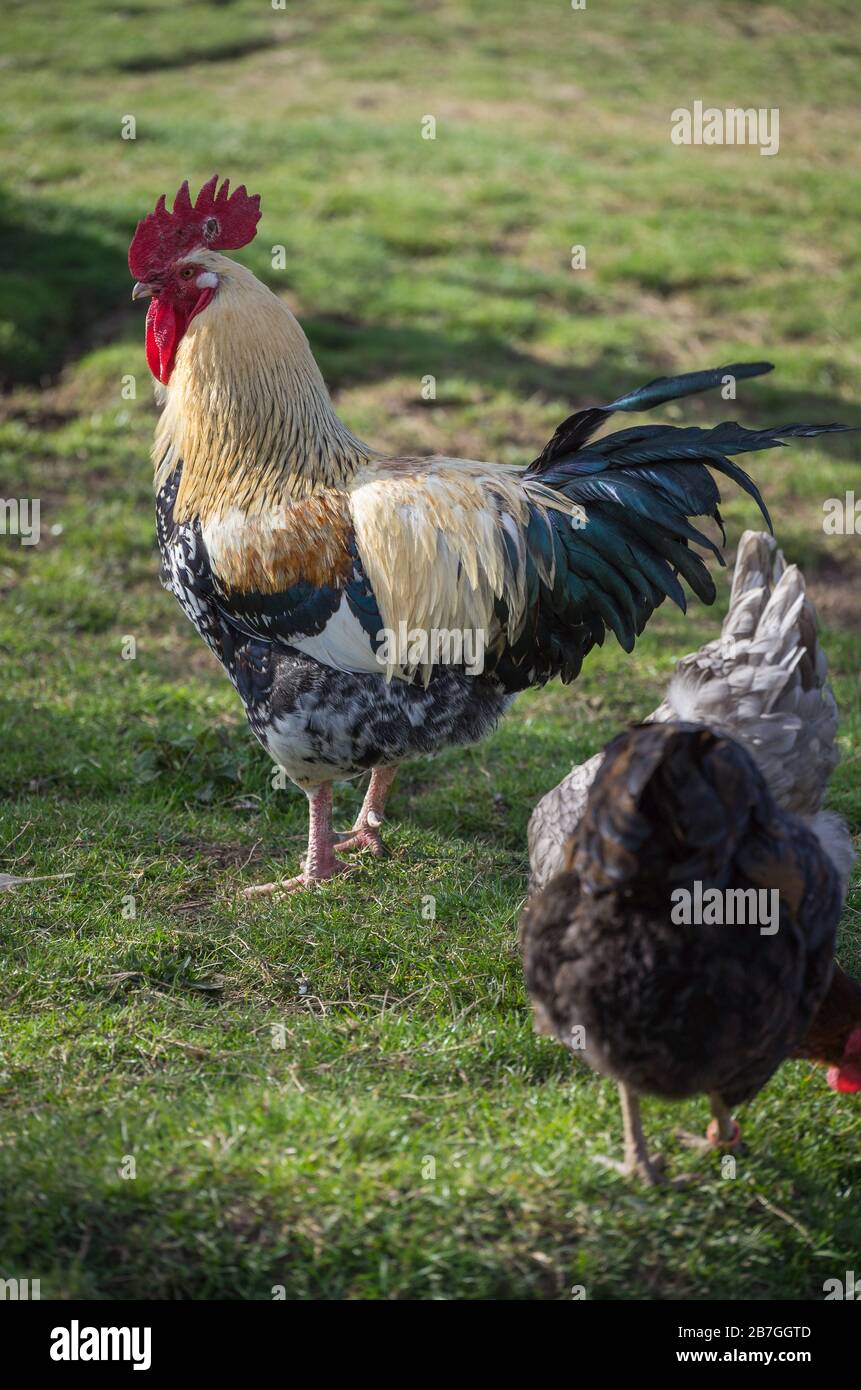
638,487
580,426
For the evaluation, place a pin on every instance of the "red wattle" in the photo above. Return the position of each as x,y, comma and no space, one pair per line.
846,1079
166,322
160,337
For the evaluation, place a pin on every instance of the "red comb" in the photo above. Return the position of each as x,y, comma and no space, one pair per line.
218,220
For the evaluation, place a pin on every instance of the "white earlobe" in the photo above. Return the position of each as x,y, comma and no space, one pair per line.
207,280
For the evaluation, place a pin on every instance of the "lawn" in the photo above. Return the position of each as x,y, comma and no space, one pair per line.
203,1096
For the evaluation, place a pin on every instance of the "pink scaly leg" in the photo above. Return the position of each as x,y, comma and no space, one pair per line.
320,862
365,834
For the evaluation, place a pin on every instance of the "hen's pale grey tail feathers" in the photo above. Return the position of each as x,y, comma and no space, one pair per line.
554,819
764,682
832,832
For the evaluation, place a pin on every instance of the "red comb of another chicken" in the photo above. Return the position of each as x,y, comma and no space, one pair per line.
218,220
846,1076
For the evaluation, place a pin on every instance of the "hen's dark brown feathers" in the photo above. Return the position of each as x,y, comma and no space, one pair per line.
676,1010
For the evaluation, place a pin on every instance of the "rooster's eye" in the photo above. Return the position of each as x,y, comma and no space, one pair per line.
187,272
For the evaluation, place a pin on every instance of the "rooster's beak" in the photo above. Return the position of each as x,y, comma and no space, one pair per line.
142,290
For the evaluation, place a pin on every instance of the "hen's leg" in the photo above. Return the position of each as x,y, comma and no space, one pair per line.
320,862
636,1162
365,834
723,1131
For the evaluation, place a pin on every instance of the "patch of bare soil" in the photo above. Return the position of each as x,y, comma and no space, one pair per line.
835,588
223,855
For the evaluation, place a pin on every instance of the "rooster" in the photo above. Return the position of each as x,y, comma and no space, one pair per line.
297,551
679,1009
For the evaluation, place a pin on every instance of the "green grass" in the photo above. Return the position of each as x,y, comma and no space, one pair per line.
412,1137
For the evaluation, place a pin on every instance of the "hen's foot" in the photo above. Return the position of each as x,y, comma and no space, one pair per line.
724,1137
712,1139
698,1142
723,1130
299,881
649,1170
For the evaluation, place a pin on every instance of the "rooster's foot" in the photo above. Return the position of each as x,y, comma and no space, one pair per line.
319,863
299,881
362,836
366,833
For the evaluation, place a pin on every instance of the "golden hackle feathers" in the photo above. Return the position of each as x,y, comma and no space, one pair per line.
247,410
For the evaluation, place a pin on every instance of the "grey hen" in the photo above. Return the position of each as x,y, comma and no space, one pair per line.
764,681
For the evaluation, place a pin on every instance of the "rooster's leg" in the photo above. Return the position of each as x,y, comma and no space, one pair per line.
365,834
637,1162
319,862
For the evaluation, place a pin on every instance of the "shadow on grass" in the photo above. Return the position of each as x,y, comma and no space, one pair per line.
230,1236
221,1238
352,353
222,52
63,274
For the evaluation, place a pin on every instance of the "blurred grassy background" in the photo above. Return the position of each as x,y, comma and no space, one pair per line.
406,1040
